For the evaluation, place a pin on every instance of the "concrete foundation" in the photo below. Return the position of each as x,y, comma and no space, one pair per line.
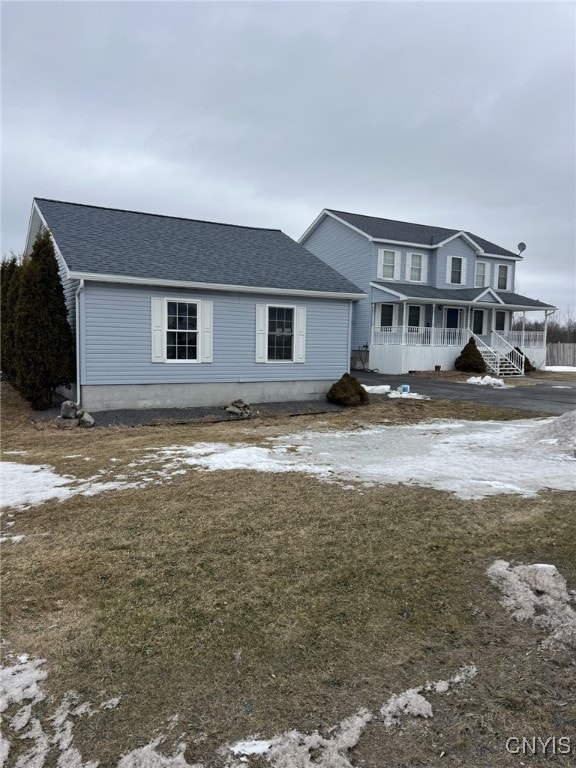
108,397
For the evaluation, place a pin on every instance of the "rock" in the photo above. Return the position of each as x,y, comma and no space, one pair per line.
68,423
239,408
87,420
68,409
233,409
80,412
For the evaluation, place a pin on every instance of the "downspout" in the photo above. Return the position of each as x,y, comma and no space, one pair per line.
78,385
524,329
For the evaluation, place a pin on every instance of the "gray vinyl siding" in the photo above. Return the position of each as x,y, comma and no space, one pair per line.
353,256
458,247
116,338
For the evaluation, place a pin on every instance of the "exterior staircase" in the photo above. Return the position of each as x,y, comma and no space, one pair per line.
501,358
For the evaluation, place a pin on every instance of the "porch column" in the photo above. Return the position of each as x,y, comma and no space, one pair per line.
404,321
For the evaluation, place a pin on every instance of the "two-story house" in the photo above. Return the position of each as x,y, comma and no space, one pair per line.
428,290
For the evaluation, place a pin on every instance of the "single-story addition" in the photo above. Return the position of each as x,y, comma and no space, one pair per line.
428,291
177,312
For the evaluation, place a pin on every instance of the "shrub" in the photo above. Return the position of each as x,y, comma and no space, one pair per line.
347,391
44,346
470,359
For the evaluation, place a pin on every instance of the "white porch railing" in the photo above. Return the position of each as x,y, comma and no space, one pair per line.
524,339
420,336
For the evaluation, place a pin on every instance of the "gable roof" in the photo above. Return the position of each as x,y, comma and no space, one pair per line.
128,244
430,293
405,232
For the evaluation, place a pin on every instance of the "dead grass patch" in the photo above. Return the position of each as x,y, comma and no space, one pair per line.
252,603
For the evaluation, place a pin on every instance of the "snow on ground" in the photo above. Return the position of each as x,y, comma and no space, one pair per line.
470,459
20,684
384,389
539,594
487,381
561,368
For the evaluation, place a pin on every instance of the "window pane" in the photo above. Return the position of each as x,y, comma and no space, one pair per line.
414,316
386,315
388,259
416,267
502,277
500,321
280,333
171,308
480,275
456,270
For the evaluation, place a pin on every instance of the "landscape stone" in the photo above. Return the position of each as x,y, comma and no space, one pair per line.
68,409
87,420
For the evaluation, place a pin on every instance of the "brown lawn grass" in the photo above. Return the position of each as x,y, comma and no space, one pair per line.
254,603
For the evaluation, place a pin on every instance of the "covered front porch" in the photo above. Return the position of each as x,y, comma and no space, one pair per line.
409,336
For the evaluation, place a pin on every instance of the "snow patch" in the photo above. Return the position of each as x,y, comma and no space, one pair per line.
539,594
561,368
487,381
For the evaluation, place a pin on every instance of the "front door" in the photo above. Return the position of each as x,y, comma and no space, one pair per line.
452,317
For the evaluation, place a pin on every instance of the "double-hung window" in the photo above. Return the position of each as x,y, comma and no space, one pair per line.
481,274
502,283
181,330
388,264
280,333
500,321
456,270
416,267
414,314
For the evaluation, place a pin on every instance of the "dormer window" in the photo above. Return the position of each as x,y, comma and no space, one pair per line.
388,264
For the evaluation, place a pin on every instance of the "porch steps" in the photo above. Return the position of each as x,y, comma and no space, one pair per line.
501,362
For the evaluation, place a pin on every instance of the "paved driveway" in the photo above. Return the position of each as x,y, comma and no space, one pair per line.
545,396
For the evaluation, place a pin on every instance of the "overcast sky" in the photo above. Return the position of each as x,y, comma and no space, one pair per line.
452,114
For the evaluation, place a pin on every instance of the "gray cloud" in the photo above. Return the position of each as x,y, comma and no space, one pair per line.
456,114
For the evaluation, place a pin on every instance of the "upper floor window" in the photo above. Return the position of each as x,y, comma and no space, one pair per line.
388,264
503,274
416,267
456,270
181,330
480,281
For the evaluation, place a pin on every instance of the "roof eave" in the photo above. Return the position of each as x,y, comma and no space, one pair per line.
128,280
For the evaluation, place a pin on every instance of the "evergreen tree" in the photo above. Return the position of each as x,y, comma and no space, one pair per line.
9,289
44,353
470,359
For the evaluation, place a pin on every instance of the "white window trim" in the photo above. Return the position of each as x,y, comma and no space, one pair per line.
159,320
381,264
449,270
486,282
497,277
424,271
298,340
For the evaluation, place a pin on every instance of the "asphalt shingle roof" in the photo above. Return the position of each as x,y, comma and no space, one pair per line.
108,241
446,295
403,231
